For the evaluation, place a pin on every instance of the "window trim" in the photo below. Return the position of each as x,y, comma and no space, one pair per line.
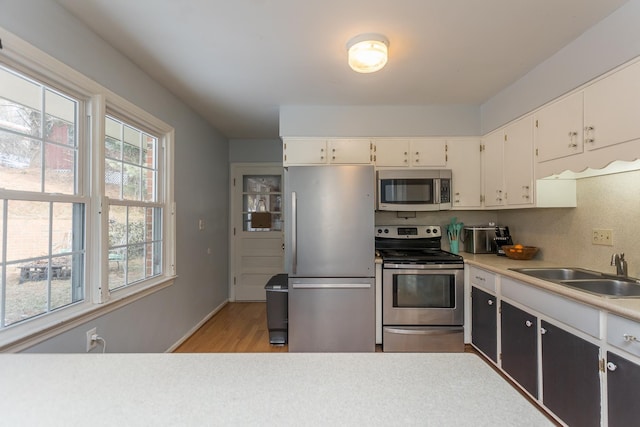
96,101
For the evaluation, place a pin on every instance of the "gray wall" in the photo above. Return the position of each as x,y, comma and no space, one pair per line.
612,42
363,121
255,150
154,323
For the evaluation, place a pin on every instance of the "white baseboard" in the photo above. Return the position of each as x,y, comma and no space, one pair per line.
196,327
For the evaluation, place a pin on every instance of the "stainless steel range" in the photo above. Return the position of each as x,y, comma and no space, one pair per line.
422,290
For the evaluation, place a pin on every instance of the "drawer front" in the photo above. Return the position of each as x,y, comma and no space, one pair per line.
482,279
580,316
623,333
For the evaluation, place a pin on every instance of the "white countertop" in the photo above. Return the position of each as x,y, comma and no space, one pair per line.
627,307
258,389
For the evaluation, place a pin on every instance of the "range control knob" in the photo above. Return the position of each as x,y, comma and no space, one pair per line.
379,230
428,231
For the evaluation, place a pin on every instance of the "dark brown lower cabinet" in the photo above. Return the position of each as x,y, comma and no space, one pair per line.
519,342
484,331
570,376
623,389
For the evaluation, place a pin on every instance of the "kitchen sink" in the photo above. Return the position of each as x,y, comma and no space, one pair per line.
588,281
556,274
612,288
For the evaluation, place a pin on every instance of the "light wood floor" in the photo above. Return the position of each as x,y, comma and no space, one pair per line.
239,327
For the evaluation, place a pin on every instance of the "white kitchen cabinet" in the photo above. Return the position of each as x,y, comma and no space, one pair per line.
428,152
611,107
559,129
321,151
350,151
463,158
518,163
391,152
492,169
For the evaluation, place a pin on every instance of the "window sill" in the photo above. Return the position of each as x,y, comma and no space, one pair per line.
20,337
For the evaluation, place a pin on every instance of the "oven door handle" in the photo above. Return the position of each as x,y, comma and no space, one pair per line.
438,267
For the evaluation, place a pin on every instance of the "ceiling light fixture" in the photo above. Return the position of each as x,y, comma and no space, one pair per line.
368,52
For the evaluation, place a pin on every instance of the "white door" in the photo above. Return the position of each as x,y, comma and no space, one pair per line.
256,228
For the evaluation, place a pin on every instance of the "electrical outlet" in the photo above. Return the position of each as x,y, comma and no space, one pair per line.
601,236
91,343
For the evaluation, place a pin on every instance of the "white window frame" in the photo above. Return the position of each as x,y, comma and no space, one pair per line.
25,58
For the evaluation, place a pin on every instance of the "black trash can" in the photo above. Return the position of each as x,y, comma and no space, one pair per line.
278,308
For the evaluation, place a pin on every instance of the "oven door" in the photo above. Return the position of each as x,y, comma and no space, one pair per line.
422,295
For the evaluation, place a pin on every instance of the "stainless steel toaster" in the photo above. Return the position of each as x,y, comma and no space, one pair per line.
480,239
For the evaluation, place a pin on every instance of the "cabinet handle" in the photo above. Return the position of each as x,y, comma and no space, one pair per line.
611,366
588,128
480,278
573,145
589,140
490,302
529,323
629,338
543,331
417,160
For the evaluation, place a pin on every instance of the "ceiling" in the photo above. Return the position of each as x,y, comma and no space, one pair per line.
237,61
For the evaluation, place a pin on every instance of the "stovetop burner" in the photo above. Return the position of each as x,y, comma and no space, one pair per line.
413,245
419,256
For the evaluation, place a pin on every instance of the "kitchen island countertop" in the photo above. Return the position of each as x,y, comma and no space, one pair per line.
259,389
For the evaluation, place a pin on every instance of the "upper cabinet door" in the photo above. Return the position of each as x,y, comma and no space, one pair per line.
518,162
304,152
559,129
350,151
611,109
428,152
463,158
392,152
492,169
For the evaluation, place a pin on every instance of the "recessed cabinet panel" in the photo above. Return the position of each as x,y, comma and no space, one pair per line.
559,129
623,389
570,377
519,339
484,322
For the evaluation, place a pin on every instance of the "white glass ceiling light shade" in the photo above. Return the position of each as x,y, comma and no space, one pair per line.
368,52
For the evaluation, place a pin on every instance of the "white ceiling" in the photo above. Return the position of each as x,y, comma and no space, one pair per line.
237,61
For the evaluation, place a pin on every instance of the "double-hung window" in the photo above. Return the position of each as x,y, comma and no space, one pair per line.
86,203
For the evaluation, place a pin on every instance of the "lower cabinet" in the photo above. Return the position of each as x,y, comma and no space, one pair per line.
484,333
570,376
519,342
623,389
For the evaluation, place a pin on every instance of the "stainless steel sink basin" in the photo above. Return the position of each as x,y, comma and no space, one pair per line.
555,274
612,288
588,281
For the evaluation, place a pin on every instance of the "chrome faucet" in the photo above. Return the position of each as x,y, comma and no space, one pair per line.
620,263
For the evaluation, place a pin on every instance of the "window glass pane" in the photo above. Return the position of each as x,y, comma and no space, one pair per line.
261,183
136,225
117,263
112,179
20,161
132,189
61,283
27,296
113,133
132,148
148,185
20,104
62,229
117,226
149,153
59,169
28,229
60,118
135,263
1,234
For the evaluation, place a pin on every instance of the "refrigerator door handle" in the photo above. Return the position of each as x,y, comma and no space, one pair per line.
294,233
331,285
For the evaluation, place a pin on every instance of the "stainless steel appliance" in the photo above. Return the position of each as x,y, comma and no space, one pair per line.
413,190
329,256
481,239
422,290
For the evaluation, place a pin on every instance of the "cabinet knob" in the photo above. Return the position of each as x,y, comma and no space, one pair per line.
573,145
590,140
529,323
417,160
417,153
333,158
490,302
572,134
588,128
611,366
629,338
543,331
334,150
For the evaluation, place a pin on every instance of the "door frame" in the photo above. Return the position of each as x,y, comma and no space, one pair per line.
233,202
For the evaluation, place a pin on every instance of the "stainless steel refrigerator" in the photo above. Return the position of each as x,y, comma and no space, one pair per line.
329,257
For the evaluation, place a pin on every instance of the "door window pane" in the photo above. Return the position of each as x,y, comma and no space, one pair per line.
262,194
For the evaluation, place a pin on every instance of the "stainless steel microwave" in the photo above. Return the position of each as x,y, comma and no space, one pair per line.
413,190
